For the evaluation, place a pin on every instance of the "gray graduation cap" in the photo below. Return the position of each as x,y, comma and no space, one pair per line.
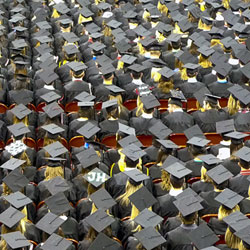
136,176
197,141
177,170
107,69
191,66
102,199
150,238
128,140
70,37
109,103
96,177
71,49
128,59
223,69
57,184
88,157
229,198
115,89
150,101
219,174
103,60
97,46
194,131
167,144
114,24
137,67
141,31
206,51
55,149
201,94
58,203
12,164
160,130
189,192
188,205
49,223
99,220
133,152
49,63
173,37
44,25
147,218
225,126
11,217
237,221
50,96
84,97
15,180
88,130
52,109
243,234
44,39
171,160
22,97
20,111
166,72
246,70
104,242
56,242
77,67
243,154
209,160
19,44
53,129
126,129
86,12
18,129
203,236
48,76
142,199
16,240
62,8
18,199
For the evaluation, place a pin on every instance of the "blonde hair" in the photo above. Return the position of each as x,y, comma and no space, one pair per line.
6,189
139,110
223,212
233,105
165,86
130,189
25,120
52,172
48,141
204,176
242,247
26,158
165,184
231,240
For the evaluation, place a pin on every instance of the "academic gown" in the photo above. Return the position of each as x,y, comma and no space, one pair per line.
245,206
242,122
83,208
141,125
239,184
220,89
189,88
232,165
184,154
195,166
201,186
210,205
218,226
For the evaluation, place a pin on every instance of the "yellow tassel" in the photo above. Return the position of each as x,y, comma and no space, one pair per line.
184,74
157,77
146,15
120,65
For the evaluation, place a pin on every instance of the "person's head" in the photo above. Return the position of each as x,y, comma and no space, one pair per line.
165,184
130,163
176,183
189,219
165,85
192,72
52,172
136,75
86,112
231,240
196,150
244,164
77,74
223,211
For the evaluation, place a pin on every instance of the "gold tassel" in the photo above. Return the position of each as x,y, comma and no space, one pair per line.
146,15
120,65
184,74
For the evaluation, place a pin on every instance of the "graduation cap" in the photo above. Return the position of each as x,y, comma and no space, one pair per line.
88,157
107,69
206,51
136,176
18,199
185,25
44,25
246,70
104,6
48,76
130,14
141,31
92,28
150,101
137,67
50,96
128,140
52,110
12,164
110,103
53,129
243,154
128,59
142,199
223,69
50,222
194,131
84,96
229,198
150,238
11,216
102,199
197,141
189,192
133,152
126,129
212,98
96,177
167,144
219,174
71,49
19,28
86,12
18,129
88,130
103,60
55,149
97,46
147,218
210,160
236,137
177,170
237,221
20,111
70,37
243,234
22,97
14,149
160,130
43,39
104,242
61,8
65,22
191,66
49,63
56,242
166,72
58,203
162,27
174,37
203,236
225,126
114,24
57,184
16,240
15,180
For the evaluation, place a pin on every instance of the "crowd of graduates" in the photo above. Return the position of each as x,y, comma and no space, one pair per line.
125,124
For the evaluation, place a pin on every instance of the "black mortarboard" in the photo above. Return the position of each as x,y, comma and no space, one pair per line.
52,110
62,8
167,144
18,129
48,64
246,70
99,220
19,28
237,221
103,60
141,31
225,126
20,111
86,12
223,69
161,27
88,130
206,51
56,242
209,160
18,199
22,97
150,238
58,203
57,184
71,49
44,39
96,35
236,137
166,72
203,236
88,157
65,22
103,6
114,24
48,76
126,129
142,199
212,98
92,28
227,42
136,176
50,96
185,25
243,234
197,141
188,205
200,94
189,192
137,68
194,131
77,66
133,152
115,89
177,170
19,44
70,37
174,37
147,218
11,217
191,66
55,149
49,223
128,140
97,46
16,240
160,130
44,25
107,69
150,101
243,154
96,177
109,103
128,59
53,128
12,164
84,97
15,180
219,174
102,199
229,198
130,14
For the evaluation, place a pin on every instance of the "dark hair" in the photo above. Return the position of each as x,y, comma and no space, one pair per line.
176,182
